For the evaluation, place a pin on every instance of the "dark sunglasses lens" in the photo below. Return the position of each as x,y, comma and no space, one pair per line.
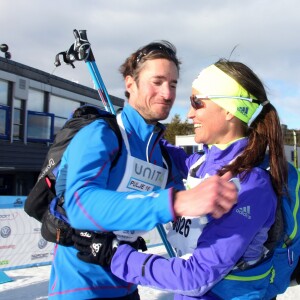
195,102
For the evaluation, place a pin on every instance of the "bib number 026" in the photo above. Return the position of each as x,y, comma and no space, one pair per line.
182,226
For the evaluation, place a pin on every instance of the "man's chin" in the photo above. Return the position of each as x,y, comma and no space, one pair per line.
163,115
160,114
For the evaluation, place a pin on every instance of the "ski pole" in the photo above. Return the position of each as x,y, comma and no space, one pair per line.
163,236
81,50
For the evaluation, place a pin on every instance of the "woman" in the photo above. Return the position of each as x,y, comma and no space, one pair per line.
238,126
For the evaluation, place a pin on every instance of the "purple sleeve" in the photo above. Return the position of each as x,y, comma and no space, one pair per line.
213,258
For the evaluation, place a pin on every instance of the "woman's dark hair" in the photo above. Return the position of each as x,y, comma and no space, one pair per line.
264,134
155,50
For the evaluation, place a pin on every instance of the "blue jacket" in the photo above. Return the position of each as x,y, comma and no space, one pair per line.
238,235
92,203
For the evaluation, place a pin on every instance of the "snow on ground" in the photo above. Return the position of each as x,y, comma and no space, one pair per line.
32,284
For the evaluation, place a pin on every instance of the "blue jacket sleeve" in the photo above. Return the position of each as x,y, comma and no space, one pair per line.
222,243
91,201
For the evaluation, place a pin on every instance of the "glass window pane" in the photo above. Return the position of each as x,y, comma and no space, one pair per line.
18,103
3,92
62,107
2,121
17,131
39,127
18,119
35,100
17,116
58,124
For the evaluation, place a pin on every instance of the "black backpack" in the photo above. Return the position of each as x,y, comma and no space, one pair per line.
42,202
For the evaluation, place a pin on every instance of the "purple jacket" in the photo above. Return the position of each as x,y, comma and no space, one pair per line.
223,242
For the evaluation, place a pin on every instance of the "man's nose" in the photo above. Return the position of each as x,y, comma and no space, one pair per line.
168,92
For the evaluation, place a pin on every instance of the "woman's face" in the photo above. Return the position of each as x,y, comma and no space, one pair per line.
210,122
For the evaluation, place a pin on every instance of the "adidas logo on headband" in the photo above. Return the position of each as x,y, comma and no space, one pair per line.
243,110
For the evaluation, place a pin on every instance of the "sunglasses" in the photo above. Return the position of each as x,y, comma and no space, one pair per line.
197,100
156,47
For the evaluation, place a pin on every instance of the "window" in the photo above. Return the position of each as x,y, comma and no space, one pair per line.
62,109
35,100
6,184
40,126
5,110
191,149
292,155
3,92
4,121
18,119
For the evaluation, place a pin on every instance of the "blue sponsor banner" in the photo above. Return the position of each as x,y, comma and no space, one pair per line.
12,201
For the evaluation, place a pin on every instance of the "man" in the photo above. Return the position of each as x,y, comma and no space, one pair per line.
139,191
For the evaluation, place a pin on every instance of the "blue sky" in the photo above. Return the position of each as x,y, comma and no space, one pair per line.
265,33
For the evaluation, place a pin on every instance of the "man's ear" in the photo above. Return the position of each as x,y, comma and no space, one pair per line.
130,84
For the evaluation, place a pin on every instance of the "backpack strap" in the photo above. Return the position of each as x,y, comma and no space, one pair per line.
113,124
278,232
88,114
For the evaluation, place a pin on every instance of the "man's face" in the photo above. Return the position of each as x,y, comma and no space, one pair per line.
154,93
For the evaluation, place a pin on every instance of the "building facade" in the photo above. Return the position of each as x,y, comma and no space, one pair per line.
34,105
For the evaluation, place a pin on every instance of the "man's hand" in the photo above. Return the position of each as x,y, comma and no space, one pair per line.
99,248
95,248
216,195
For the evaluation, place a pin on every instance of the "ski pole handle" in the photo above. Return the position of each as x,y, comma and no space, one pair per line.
82,48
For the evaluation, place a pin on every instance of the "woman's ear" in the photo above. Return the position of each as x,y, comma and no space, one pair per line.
229,116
